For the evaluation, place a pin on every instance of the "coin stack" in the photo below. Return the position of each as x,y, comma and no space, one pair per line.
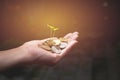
55,45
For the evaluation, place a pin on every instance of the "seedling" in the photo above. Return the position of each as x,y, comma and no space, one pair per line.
54,45
53,29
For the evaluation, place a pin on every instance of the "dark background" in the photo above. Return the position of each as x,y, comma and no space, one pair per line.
95,57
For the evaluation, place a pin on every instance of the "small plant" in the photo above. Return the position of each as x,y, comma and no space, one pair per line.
52,30
54,45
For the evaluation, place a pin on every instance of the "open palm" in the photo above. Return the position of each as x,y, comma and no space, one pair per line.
36,54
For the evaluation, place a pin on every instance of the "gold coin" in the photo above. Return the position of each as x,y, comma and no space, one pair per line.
45,43
46,47
57,42
63,39
50,42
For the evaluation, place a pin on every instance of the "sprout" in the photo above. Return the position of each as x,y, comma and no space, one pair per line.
51,27
52,30
55,29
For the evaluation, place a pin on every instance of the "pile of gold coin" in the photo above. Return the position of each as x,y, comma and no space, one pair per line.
55,45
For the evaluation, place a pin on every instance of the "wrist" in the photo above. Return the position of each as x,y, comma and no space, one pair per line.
12,57
26,56
22,55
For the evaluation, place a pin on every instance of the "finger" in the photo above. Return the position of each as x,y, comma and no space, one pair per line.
76,33
74,36
68,35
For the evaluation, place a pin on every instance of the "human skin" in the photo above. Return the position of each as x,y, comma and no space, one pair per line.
31,53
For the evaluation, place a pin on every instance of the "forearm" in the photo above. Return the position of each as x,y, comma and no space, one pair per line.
11,57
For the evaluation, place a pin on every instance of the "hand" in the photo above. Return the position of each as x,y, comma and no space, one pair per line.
36,54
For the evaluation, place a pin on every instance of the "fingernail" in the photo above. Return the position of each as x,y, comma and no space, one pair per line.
75,37
76,33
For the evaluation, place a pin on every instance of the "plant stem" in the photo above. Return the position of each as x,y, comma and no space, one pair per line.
51,32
